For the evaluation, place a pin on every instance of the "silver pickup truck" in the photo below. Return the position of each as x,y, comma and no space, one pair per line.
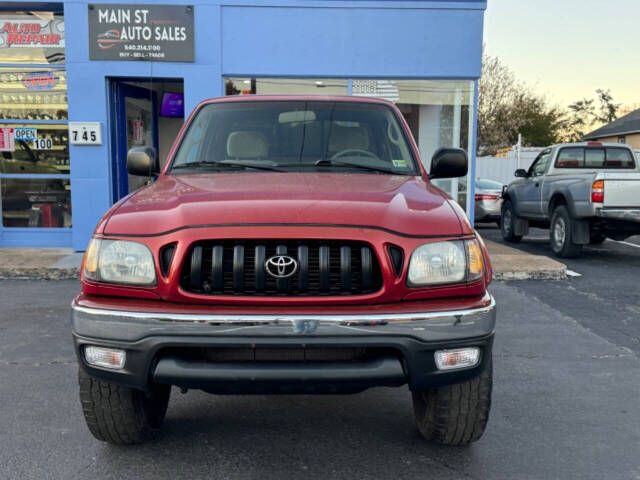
584,192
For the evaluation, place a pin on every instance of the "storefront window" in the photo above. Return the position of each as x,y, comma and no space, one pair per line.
34,202
37,149
33,94
34,157
438,114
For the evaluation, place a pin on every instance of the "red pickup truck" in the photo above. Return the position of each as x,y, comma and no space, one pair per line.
289,245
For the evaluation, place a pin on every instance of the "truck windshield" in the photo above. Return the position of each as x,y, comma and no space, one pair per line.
289,136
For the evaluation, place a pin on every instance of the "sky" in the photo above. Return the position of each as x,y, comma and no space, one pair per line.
566,49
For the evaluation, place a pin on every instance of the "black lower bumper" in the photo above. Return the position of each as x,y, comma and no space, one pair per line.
280,377
179,352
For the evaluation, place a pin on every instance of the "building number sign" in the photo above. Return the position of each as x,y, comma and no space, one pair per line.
85,133
43,144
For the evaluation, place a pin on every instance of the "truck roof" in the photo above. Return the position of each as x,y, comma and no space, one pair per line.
591,144
294,98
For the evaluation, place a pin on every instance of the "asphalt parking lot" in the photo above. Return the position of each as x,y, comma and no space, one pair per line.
604,296
565,401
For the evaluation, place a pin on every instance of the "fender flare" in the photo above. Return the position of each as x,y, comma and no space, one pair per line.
561,197
513,199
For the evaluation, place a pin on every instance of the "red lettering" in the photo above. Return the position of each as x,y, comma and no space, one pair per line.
19,38
8,27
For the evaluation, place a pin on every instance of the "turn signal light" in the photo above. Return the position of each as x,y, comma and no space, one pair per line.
597,191
90,260
458,358
105,357
476,264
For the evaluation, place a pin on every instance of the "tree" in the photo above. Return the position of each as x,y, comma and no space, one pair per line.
506,107
581,115
584,116
498,91
542,124
608,109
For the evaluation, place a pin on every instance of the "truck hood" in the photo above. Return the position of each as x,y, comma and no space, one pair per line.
403,204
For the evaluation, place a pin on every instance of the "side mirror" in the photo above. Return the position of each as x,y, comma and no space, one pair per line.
142,161
521,173
449,163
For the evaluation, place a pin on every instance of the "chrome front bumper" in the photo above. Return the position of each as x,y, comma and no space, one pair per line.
124,326
152,341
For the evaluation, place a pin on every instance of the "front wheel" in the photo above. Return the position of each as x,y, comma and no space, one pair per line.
455,414
122,415
507,223
561,234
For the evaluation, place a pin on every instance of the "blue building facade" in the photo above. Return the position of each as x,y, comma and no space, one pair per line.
424,55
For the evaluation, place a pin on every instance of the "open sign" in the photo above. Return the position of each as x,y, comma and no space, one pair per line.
40,80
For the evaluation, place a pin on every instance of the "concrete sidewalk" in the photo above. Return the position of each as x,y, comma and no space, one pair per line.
513,264
39,263
61,263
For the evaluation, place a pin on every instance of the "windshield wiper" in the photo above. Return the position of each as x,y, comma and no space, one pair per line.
325,162
225,164
186,166
248,165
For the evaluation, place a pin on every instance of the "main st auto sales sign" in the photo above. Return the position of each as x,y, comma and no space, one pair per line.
156,33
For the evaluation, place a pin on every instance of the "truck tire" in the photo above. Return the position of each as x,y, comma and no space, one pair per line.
455,414
561,234
507,221
122,415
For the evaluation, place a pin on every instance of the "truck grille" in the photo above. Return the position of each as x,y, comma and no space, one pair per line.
264,267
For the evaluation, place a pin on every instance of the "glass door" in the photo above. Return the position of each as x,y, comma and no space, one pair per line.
136,126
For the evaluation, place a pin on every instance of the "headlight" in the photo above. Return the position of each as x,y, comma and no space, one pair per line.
119,261
445,262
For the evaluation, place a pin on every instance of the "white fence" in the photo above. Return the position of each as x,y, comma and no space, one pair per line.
501,169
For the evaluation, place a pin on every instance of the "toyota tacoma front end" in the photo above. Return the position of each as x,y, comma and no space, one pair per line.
289,245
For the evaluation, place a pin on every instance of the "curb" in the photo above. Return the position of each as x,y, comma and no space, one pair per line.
532,275
39,274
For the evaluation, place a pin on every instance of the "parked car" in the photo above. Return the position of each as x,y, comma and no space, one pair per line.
488,200
584,192
290,245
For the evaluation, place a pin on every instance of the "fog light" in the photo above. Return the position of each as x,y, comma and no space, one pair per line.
105,357
458,358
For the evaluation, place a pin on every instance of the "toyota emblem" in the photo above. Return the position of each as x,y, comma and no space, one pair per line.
281,266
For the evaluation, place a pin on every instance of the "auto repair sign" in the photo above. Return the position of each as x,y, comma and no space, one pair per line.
160,33
20,33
